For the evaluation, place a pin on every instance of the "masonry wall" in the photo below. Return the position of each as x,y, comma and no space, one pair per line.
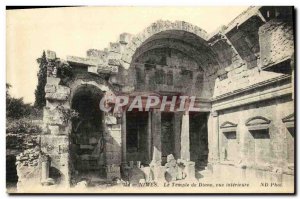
274,148
169,70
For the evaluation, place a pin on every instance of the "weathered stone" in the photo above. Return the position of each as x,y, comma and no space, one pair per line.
50,55
93,69
53,80
135,176
56,96
113,172
94,53
110,120
50,88
125,38
171,168
54,129
107,69
276,42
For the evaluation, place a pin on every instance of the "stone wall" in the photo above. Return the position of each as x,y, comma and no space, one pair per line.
58,115
277,42
168,70
275,146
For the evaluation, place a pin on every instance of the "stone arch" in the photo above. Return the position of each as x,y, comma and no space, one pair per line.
79,83
157,27
87,140
181,38
103,133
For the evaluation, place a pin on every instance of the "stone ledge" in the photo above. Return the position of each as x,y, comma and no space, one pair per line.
260,96
251,87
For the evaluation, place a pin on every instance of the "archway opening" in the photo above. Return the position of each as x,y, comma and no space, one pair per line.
87,140
176,63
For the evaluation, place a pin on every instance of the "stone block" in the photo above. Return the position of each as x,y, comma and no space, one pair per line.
93,69
136,41
54,129
190,170
114,62
135,176
53,80
148,174
54,104
107,69
115,47
50,88
52,116
113,157
94,53
158,171
56,96
125,38
54,144
50,55
63,90
110,120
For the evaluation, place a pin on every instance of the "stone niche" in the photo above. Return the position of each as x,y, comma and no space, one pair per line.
229,142
260,144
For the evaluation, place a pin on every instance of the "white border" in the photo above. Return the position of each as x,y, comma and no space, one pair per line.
5,3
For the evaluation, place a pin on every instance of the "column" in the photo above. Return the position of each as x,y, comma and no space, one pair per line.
149,138
156,134
177,134
45,165
123,138
213,137
185,137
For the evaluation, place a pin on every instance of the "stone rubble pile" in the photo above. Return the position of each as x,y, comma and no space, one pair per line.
29,157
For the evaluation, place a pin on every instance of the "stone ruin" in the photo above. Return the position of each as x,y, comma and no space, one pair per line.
241,74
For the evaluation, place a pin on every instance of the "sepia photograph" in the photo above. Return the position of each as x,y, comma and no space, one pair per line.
150,100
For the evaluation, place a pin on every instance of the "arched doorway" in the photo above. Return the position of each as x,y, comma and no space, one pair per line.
87,140
176,63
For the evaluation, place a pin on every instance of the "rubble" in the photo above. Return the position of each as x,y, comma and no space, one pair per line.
29,157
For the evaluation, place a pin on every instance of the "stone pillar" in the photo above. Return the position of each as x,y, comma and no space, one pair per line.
213,137
177,134
156,133
185,137
149,137
45,166
123,138
155,165
113,137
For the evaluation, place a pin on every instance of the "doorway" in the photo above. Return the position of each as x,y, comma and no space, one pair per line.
87,141
199,139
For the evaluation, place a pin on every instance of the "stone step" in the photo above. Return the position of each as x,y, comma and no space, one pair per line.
205,173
